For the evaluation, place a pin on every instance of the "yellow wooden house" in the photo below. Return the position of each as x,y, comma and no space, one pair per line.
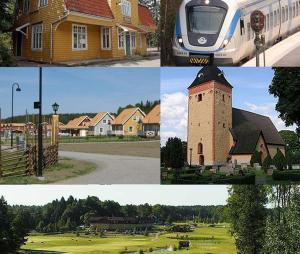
129,122
56,31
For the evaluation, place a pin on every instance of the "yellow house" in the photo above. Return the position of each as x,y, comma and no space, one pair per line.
129,122
55,31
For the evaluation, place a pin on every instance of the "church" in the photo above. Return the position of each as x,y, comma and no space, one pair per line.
218,133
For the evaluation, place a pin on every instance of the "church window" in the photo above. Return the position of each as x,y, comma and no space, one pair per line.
223,125
223,97
200,148
199,97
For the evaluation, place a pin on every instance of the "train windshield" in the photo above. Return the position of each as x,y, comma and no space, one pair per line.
206,19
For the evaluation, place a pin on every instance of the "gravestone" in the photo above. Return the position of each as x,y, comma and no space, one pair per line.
296,166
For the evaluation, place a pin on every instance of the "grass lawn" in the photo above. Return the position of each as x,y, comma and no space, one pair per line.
64,169
203,239
140,149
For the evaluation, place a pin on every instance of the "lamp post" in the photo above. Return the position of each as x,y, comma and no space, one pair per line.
55,108
40,128
191,150
18,89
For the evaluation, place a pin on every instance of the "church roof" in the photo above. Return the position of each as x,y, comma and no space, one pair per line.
247,128
209,73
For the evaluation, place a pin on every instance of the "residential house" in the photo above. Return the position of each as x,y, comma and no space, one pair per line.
217,132
77,127
128,122
55,31
151,123
101,124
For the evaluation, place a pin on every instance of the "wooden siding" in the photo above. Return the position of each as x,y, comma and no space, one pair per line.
62,35
137,126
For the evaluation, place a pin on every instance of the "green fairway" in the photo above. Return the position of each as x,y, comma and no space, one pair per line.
203,240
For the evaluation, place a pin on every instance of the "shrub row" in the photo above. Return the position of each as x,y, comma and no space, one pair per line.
288,175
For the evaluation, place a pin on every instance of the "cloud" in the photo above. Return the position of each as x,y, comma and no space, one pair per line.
268,109
174,116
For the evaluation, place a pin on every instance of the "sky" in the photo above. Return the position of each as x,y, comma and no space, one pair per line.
124,194
78,90
250,93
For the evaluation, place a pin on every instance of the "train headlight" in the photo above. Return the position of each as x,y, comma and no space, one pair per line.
180,41
225,42
206,2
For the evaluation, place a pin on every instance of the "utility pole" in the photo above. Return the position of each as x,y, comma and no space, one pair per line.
40,128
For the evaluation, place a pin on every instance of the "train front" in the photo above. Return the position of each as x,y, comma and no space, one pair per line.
204,32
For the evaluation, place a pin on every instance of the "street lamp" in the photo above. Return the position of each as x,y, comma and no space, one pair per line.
55,107
18,89
191,149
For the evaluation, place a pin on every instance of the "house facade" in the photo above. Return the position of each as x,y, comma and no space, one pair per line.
217,132
100,125
129,122
151,123
77,127
56,31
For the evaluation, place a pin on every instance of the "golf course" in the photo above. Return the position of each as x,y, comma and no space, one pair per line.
203,239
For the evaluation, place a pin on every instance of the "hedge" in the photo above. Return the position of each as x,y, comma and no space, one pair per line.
288,175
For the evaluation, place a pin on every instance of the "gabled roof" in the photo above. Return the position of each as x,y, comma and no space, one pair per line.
210,73
97,118
247,128
145,16
75,123
125,115
153,117
92,7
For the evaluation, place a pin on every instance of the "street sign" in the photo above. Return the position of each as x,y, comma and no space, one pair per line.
257,21
36,105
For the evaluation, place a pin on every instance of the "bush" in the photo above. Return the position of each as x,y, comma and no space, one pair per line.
289,175
280,161
6,58
255,158
267,162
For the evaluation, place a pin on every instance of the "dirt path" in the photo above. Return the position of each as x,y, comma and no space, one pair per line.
116,169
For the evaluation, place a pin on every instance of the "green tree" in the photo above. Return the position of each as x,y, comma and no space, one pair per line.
267,162
247,216
279,160
286,87
283,224
174,156
255,158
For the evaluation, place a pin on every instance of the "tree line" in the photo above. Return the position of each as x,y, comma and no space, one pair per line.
66,117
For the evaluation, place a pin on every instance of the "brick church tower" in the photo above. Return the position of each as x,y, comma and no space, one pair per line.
209,118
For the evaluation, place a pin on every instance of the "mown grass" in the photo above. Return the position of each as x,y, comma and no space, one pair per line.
64,169
204,239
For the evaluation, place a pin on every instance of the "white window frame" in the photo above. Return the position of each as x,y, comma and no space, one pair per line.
121,43
104,121
132,128
86,37
101,130
26,6
105,31
37,37
42,3
133,42
126,8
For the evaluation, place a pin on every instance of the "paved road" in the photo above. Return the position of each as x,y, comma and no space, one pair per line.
114,169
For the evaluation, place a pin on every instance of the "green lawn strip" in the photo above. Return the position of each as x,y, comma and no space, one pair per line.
204,239
67,140
64,169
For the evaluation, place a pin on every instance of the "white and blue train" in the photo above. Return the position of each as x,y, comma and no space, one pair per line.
219,31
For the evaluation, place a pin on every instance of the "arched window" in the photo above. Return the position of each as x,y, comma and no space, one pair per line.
223,97
200,148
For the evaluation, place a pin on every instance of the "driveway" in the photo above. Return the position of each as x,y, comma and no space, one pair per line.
116,169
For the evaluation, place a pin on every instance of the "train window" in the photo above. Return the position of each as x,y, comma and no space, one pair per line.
286,13
294,10
242,26
278,17
275,18
265,29
297,8
271,20
268,22
282,15
291,12
248,31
